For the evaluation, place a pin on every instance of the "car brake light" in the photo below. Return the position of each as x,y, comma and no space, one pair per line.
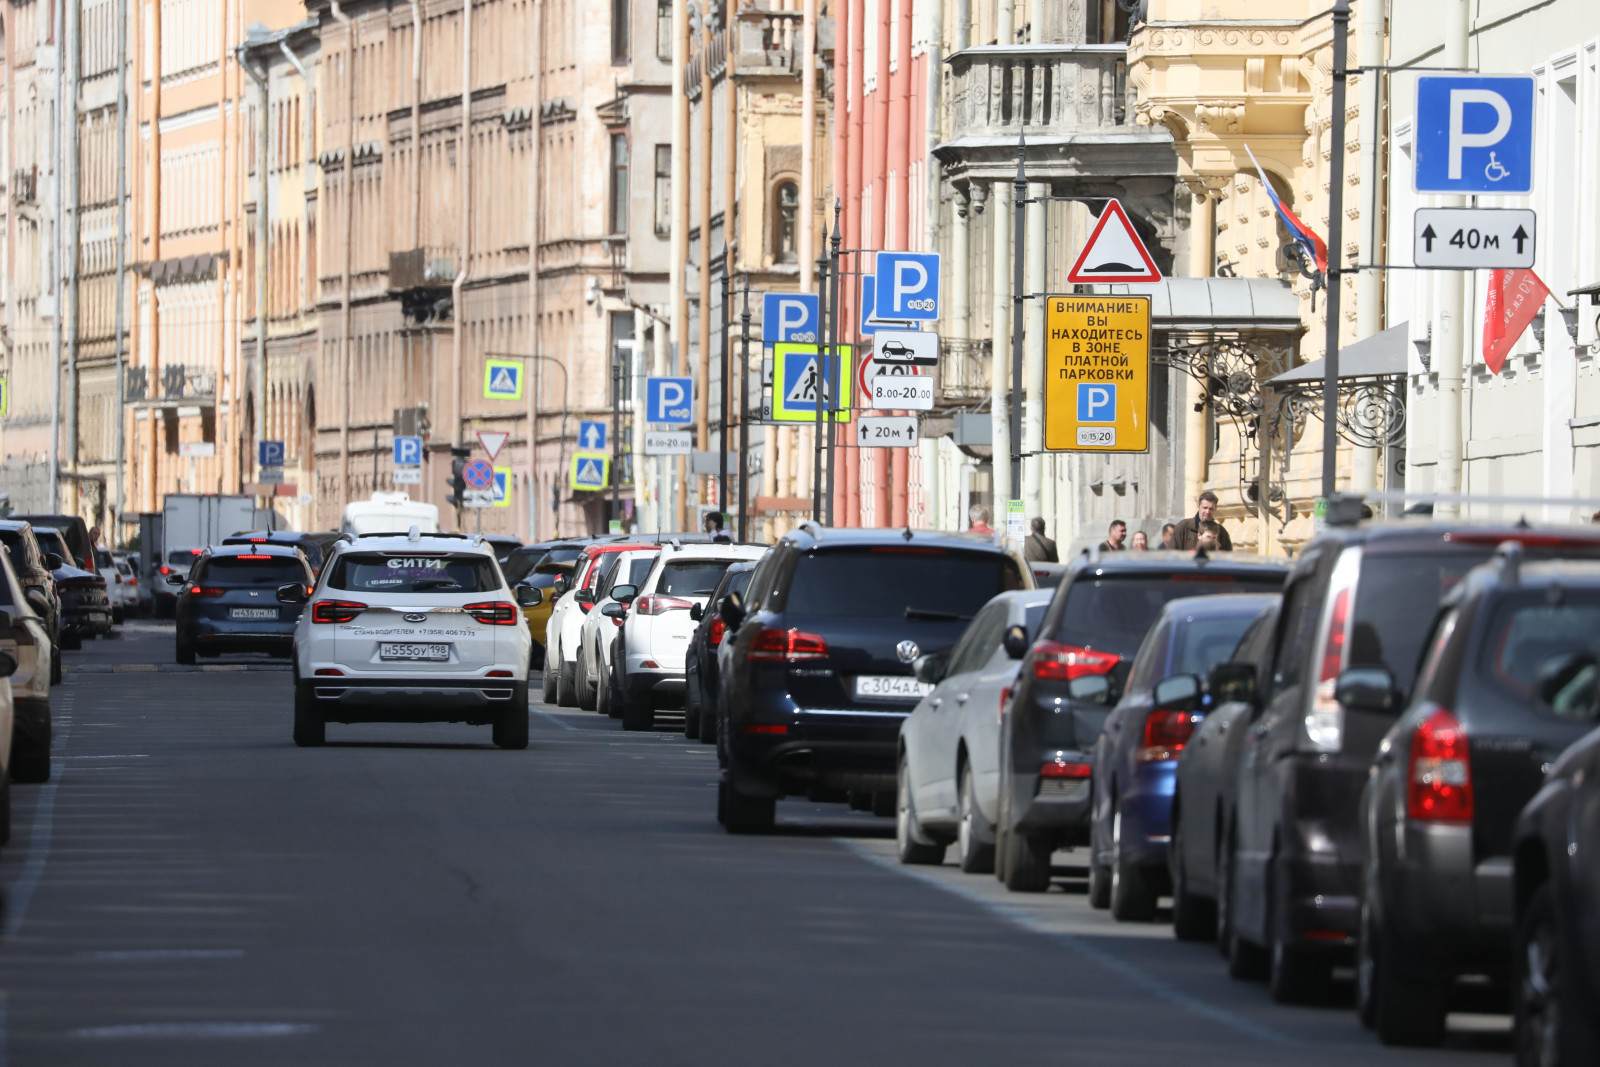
760,728
1324,722
328,672
493,612
660,605
262,556
718,629
1165,734
133,581
1059,768
787,645
196,551
335,610
204,590
1440,784
1066,662
499,674
166,570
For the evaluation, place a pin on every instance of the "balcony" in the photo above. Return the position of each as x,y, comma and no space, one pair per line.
963,371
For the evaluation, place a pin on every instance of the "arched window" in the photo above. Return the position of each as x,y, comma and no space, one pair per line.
785,219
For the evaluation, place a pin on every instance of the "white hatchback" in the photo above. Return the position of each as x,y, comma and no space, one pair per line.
660,621
418,628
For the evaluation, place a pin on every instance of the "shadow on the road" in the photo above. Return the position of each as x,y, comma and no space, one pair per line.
824,828
439,745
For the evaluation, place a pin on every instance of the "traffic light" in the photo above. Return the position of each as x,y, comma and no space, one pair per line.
458,475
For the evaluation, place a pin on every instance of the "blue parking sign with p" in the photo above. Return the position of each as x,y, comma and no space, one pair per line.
408,451
1474,134
1097,402
907,287
669,400
787,317
271,453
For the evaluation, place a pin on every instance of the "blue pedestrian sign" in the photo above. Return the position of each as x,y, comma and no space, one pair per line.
592,436
789,317
1097,402
502,380
408,451
1474,134
669,400
590,472
907,287
478,474
271,453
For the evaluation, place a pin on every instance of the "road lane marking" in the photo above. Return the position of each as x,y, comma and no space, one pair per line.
198,1029
1083,946
564,724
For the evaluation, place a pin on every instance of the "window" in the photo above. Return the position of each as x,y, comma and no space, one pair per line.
619,183
664,30
621,15
663,190
785,216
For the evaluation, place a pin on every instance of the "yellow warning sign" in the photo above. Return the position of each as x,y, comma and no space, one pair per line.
1097,373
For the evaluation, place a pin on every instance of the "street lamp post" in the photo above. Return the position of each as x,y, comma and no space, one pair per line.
1330,364
744,416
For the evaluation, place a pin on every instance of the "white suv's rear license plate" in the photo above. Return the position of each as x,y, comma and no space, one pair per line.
891,687
252,613
393,650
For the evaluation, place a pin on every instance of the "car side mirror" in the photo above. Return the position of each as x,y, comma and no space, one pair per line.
1016,642
38,602
930,669
177,579
561,585
615,611
1181,692
697,612
529,597
293,593
732,610
8,665
1090,689
584,596
624,594
1233,681
53,561
1366,689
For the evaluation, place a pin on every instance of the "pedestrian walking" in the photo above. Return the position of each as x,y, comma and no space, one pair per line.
1187,536
1115,535
1037,548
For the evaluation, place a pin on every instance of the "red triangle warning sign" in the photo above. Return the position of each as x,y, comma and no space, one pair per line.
1114,252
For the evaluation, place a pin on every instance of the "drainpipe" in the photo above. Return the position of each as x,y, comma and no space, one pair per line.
416,115
122,261
263,147
464,172
69,108
536,501
1369,283
679,195
806,238
349,230
59,33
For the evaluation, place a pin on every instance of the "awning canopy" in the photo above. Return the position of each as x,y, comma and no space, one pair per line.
1237,304
1382,355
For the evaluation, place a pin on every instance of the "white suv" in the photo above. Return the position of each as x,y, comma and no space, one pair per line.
659,622
418,628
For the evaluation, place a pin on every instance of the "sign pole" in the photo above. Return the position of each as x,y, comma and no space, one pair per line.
1330,363
744,415
822,386
727,360
1019,199
616,435
846,389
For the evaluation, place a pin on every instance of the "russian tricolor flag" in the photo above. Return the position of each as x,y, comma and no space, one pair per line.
1304,235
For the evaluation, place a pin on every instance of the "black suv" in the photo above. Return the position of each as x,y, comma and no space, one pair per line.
816,666
1510,679
1068,683
1290,859
700,662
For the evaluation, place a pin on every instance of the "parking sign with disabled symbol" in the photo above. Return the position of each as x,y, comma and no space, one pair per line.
1474,134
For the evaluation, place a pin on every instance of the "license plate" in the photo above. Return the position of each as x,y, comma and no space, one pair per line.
392,650
891,687
253,613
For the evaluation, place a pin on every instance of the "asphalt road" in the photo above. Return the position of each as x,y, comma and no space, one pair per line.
193,889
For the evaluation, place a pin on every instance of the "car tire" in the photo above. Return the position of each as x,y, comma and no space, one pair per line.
511,732
548,679
584,689
912,846
742,814
565,695
1295,975
1552,1025
310,729
974,856
1027,867
1406,1010
1099,883
1194,918
638,715
185,652
1133,898
604,701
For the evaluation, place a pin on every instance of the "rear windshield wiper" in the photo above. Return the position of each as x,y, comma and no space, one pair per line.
938,616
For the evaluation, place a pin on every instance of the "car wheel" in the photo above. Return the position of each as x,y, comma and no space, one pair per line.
310,729
911,844
185,652
745,815
1405,1010
1099,883
566,697
1365,967
1133,898
581,684
511,732
548,679
691,711
1553,1027
604,704
1296,976
638,715
974,855
1027,866
1194,918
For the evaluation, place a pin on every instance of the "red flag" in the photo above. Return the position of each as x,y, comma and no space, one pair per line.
1515,297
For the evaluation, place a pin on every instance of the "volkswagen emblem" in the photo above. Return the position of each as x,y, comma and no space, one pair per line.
416,617
907,651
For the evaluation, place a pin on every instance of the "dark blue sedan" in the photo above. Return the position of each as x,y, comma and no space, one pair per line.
1136,757
229,603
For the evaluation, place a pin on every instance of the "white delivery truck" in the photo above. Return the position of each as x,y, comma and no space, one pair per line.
389,513
192,522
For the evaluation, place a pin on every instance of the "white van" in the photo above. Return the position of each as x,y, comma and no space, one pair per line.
390,513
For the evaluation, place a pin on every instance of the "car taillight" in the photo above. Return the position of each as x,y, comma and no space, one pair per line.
787,645
493,612
1440,784
253,556
660,605
1165,734
1066,662
168,570
1058,768
1005,698
335,610
204,590
1324,722
718,629
760,728
133,581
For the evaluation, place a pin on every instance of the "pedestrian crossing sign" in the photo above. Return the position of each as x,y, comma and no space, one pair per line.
502,380
590,472
795,379
501,486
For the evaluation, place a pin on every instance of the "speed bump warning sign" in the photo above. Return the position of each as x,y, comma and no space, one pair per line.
1097,374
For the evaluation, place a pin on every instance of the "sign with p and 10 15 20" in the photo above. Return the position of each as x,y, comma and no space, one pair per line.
1097,373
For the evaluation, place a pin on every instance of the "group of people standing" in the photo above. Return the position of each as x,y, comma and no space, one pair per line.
1200,530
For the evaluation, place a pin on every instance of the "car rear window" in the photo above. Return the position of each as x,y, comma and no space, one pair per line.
414,572
252,570
1549,654
181,557
692,577
1396,603
1202,644
1112,613
893,582
50,541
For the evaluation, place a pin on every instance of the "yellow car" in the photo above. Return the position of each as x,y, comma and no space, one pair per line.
538,566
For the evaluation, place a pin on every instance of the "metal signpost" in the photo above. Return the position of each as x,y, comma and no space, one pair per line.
1097,374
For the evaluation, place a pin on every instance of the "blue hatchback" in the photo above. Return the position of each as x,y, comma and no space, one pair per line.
1135,759
230,601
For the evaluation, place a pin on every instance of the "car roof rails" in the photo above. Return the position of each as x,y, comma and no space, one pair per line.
1093,552
810,526
1508,557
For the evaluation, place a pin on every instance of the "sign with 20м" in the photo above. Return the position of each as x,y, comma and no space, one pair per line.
1097,373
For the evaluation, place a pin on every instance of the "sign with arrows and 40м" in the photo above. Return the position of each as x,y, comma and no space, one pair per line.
1474,238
